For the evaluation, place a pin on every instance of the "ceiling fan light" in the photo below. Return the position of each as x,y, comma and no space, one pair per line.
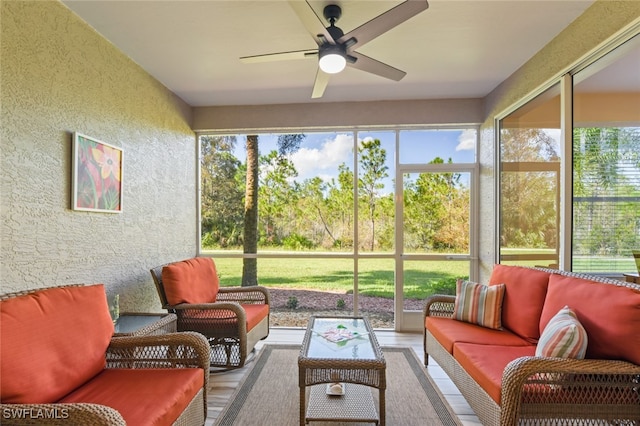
332,60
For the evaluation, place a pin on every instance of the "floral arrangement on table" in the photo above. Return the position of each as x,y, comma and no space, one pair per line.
340,334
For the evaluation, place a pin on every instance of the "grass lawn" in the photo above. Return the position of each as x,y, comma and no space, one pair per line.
375,276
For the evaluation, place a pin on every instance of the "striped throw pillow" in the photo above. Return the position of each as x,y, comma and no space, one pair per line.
479,304
563,337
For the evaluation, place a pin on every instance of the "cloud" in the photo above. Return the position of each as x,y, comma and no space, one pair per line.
312,162
366,139
467,140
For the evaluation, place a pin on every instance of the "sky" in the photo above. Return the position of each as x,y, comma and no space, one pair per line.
320,154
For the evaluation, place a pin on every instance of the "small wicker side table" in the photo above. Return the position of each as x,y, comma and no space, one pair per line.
145,324
632,278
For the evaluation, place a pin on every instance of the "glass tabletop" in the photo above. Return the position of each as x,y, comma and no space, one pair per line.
129,323
340,338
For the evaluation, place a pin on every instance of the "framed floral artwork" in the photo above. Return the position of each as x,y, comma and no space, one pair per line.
97,175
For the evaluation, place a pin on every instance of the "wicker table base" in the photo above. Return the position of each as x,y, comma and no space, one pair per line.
356,404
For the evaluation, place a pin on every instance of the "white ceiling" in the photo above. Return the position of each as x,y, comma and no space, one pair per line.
454,49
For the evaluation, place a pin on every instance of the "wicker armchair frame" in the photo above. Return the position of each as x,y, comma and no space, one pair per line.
173,350
223,323
549,391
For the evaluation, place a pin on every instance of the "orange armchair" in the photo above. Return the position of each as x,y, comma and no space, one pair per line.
233,319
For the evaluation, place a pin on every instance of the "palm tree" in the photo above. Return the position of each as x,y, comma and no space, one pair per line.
250,240
287,144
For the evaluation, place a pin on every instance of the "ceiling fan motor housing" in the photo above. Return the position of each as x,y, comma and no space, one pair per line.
336,49
332,13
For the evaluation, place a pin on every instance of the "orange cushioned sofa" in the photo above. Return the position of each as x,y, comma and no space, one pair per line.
60,364
501,372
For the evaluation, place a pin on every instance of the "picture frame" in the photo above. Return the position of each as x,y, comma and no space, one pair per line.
97,175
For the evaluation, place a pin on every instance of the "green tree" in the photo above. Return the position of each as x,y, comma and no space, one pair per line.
221,197
340,206
424,210
436,211
453,235
277,196
386,222
528,195
313,212
371,161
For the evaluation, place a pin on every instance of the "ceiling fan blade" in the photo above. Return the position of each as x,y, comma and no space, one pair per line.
383,23
311,21
322,79
282,56
365,63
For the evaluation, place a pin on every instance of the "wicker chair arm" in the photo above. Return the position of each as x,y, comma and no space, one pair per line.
223,311
538,380
251,294
60,414
185,349
215,309
439,305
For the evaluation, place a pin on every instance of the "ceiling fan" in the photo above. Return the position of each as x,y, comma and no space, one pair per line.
336,49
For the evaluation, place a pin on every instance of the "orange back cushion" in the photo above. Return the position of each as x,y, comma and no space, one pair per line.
609,313
191,281
523,299
53,341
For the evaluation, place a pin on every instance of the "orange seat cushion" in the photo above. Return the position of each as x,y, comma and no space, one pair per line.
201,319
255,314
53,341
448,331
524,297
142,396
486,363
191,281
609,313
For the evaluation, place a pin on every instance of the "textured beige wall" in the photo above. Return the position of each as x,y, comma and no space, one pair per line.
342,114
603,20
59,76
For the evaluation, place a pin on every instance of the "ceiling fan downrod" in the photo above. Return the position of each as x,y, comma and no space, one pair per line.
332,13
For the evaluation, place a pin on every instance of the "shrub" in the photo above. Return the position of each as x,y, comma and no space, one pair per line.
292,302
297,242
340,304
208,241
444,286
343,243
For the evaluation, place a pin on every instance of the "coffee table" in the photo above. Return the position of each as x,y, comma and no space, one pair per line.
357,362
